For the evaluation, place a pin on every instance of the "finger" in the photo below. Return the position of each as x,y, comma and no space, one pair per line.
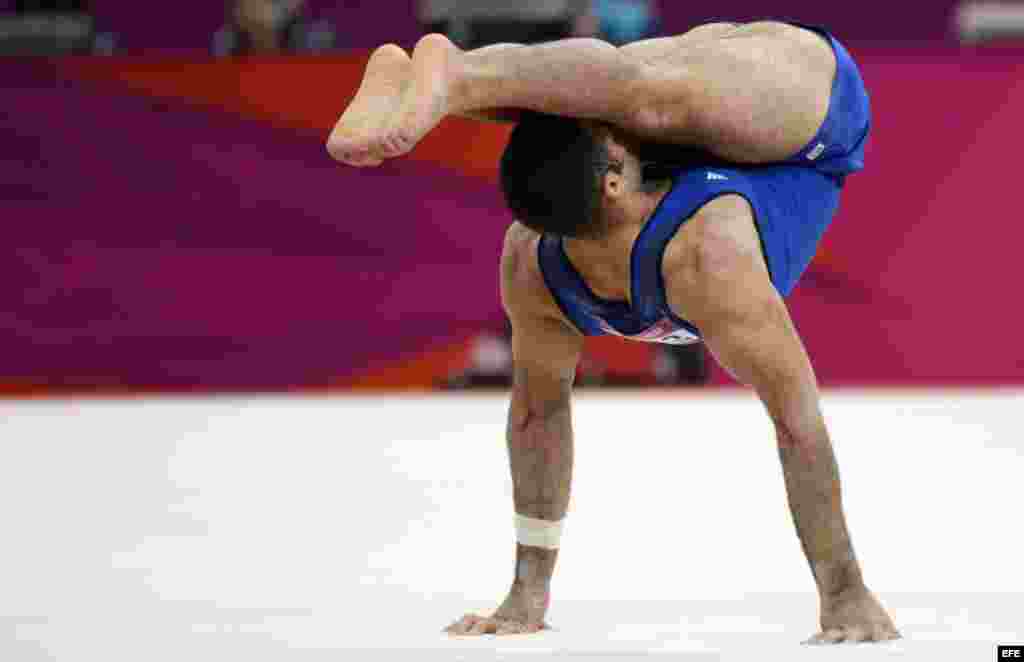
515,627
511,627
886,633
463,625
856,635
828,637
835,636
816,640
455,629
877,633
484,626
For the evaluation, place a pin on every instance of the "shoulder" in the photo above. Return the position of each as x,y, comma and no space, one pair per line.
721,235
520,270
519,242
715,267
524,292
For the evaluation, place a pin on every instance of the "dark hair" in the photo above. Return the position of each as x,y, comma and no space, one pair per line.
551,174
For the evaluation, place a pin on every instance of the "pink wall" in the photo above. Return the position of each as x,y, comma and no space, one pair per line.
919,278
191,247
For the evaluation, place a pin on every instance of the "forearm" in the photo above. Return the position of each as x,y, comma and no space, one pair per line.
583,78
787,386
747,326
540,446
815,495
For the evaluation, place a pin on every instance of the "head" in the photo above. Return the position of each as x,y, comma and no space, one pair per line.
571,178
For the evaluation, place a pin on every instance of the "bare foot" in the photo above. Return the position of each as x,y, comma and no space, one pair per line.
425,101
521,613
856,618
356,137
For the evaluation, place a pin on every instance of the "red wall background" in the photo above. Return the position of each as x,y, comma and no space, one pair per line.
917,282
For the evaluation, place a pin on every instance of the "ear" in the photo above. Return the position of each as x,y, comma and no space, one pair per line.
614,180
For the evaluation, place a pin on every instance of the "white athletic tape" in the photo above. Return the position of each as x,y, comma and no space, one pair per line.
532,532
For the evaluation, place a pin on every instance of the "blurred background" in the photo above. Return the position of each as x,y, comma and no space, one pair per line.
174,224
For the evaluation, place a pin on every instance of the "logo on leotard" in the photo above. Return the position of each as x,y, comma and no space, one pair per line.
664,332
715,177
816,152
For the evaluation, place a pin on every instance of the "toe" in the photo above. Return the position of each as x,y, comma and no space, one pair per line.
397,142
338,151
364,158
404,142
365,161
391,53
382,149
388,147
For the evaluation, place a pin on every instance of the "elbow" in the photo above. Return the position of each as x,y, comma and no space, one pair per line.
529,414
531,418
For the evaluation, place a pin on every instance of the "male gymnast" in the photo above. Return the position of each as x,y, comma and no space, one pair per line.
673,190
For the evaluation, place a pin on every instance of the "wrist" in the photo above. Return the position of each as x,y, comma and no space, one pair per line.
534,568
531,586
840,580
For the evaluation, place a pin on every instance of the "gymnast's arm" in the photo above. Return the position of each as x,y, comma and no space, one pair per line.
539,434
720,280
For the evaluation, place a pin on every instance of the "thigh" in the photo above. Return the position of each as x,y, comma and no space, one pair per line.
652,51
755,93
